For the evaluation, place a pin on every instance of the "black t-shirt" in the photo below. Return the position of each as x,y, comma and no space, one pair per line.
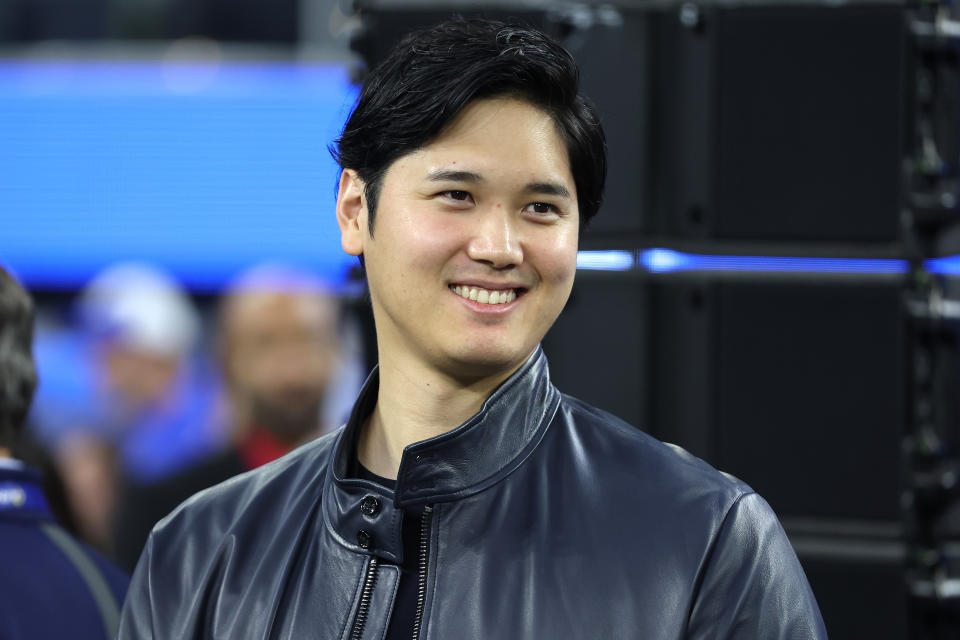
405,606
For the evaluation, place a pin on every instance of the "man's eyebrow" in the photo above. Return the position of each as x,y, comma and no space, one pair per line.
548,189
452,175
541,188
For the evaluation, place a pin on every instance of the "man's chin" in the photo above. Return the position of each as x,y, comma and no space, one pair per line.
493,361
292,427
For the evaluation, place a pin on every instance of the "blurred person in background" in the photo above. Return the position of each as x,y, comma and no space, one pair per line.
278,343
51,586
126,404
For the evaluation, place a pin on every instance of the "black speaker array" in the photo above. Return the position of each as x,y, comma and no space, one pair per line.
748,128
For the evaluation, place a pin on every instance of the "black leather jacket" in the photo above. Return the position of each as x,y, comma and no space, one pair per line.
548,519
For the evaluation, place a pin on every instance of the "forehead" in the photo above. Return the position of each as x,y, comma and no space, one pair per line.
498,136
256,311
499,112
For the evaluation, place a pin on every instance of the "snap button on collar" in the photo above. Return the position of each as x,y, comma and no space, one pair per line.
369,506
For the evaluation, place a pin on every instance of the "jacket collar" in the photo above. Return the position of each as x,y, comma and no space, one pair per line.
453,465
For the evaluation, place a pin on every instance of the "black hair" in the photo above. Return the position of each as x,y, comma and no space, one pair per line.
18,375
432,74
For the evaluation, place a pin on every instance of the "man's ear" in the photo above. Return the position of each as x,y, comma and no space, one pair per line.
352,212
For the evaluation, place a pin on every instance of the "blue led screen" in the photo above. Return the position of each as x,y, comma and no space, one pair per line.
201,168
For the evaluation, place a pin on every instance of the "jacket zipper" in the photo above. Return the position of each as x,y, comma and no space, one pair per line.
422,569
368,581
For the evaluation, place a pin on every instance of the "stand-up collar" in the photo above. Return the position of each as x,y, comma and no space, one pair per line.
463,461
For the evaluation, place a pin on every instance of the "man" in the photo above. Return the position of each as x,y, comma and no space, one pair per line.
51,586
121,399
469,166
278,351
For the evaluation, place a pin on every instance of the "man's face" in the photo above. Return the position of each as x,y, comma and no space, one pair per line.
135,378
474,248
280,355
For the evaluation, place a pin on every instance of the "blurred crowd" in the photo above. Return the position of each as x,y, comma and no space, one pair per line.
146,398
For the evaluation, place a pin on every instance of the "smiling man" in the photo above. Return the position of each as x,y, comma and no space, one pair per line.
467,498
471,259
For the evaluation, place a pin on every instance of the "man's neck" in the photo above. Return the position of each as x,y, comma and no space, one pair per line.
415,404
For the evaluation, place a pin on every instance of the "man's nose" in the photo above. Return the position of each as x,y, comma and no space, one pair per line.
495,240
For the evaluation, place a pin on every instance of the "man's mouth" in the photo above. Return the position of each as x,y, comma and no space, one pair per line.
485,296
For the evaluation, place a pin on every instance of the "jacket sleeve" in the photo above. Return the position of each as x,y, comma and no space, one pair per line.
136,619
752,585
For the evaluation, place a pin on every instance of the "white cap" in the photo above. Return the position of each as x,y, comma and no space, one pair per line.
141,307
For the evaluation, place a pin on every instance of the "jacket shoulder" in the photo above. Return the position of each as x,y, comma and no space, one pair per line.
649,457
250,496
191,554
743,579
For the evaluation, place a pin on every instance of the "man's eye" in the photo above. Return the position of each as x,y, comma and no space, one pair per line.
457,195
541,208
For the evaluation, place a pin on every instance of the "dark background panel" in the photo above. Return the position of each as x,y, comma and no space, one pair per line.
795,387
596,347
682,127
681,364
809,120
615,73
860,599
809,395
776,124
273,21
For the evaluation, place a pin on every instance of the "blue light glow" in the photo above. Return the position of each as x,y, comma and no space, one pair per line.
605,260
947,266
663,260
670,261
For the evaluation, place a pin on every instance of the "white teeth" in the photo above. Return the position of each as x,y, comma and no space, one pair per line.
486,296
